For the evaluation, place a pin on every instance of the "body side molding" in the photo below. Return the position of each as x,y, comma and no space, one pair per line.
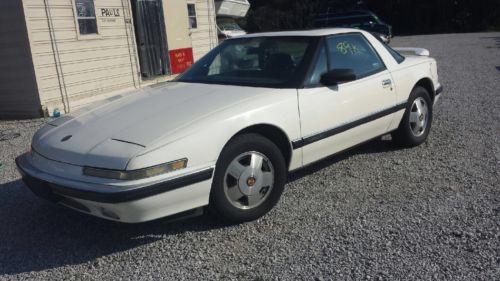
296,144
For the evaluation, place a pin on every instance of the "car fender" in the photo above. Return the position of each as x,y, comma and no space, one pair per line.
406,79
201,143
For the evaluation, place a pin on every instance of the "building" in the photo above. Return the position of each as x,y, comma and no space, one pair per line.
62,54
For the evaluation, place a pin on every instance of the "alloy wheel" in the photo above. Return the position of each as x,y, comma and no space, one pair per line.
419,116
249,180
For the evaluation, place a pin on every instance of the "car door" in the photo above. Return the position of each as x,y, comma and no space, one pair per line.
337,117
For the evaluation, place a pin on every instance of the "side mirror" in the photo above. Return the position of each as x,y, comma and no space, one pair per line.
337,76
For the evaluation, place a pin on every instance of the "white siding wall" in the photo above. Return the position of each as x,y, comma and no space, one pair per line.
72,67
204,38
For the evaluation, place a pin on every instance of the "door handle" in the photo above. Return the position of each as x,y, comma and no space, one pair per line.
386,83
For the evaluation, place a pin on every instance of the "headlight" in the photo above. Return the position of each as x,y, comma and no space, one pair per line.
136,174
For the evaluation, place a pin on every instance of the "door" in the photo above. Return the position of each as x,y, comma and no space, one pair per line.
151,38
337,117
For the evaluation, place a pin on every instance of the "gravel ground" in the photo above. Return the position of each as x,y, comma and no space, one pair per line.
376,212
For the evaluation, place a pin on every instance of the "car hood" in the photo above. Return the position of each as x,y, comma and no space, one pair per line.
109,135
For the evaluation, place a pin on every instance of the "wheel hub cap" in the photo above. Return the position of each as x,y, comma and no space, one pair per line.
419,116
249,179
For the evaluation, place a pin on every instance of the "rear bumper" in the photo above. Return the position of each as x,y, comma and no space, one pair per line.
134,205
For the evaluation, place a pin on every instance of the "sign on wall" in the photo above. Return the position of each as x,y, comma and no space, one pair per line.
109,14
180,60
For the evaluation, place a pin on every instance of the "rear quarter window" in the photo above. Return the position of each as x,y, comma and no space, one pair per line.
397,56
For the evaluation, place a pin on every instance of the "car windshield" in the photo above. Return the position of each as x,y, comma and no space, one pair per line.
260,62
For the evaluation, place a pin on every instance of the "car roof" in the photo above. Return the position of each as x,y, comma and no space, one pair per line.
312,32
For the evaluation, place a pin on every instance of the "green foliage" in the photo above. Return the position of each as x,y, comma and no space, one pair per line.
406,16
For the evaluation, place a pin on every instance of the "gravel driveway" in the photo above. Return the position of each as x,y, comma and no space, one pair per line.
376,212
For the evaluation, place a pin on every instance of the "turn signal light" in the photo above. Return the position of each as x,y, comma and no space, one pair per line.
136,174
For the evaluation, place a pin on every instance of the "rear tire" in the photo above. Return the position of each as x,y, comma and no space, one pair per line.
249,179
417,119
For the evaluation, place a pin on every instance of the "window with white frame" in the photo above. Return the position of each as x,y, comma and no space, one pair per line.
85,15
193,23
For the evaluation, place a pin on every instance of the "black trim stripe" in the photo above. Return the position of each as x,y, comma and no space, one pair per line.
135,194
337,153
129,142
337,130
54,191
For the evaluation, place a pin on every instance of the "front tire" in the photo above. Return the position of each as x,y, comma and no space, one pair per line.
417,119
249,179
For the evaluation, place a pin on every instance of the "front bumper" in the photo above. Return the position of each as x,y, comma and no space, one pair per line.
146,203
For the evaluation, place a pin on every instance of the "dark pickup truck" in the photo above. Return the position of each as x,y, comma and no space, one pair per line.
365,20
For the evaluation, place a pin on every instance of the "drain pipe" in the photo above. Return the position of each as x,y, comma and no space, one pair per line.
129,30
57,59
214,19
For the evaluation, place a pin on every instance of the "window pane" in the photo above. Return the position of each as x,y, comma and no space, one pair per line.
85,13
320,68
192,16
87,26
85,8
191,10
192,22
352,51
397,56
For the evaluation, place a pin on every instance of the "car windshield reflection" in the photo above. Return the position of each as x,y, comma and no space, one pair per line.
262,61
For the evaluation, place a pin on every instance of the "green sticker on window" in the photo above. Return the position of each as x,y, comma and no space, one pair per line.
347,48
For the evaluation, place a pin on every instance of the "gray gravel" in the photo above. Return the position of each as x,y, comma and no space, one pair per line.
377,212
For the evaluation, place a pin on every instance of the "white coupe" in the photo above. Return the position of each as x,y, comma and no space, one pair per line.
226,133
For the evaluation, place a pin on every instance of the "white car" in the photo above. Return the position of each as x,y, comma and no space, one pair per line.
228,28
226,133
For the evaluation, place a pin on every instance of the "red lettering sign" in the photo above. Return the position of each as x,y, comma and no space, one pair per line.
180,60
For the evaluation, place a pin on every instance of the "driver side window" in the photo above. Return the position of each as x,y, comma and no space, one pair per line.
320,68
353,51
